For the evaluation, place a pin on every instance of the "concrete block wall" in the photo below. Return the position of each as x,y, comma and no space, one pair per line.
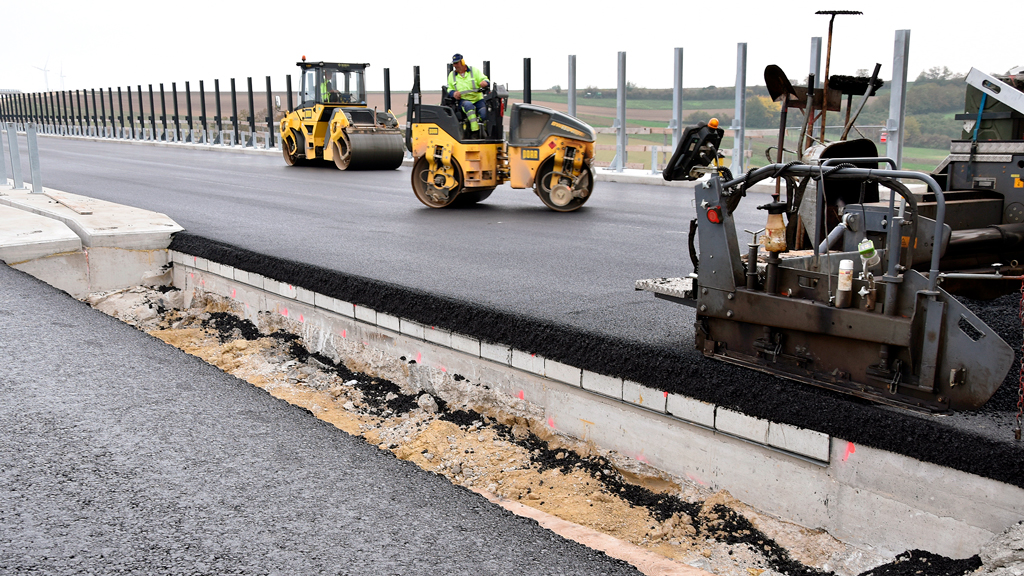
863,496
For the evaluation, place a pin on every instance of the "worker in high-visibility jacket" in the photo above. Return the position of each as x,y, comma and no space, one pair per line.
466,84
328,91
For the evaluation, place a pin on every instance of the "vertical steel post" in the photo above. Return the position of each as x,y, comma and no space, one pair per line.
572,85
252,115
54,112
142,116
740,121
4,101
204,128
387,89
103,112
815,69
110,96
234,111
12,145
487,69
95,112
78,111
621,155
270,116
188,110
33,158
163,113
120,107
898,98
131,116
67,112
677,98
177,124
152,114
217,116
527,97
288,87
3,108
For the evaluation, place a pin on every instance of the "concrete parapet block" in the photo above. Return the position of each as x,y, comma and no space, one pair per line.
304,296
528,362
499,353
607,385
344,308
323,302
389,322
563,372
636,393
443,337
691,410
365,314
408,328
809,443
287,290
466,344
741,425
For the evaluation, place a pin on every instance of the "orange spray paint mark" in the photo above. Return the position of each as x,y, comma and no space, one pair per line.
850,449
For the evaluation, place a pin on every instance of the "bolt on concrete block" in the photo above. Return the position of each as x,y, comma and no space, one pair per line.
563,372
466,344
304,296
641,395
409,328
801,441
741,425
528,362
442,337
691,410
607,385
496,352
365,314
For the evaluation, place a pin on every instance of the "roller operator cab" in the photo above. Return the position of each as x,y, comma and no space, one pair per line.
547,150
332,121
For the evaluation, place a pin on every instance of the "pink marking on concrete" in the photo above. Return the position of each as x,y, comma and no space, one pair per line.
850,449
696,479
666,394
442,368
233,293
521,395
419,357
551,422
284,312
641,458
301,319
343,334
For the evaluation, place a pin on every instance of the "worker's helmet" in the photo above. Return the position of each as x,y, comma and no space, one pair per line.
457,58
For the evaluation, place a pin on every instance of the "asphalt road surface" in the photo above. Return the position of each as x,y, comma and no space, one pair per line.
122,454
510,251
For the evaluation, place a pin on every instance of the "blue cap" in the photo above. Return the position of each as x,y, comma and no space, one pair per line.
456,58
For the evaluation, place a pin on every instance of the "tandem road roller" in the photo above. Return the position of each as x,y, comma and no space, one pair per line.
333,123
547,150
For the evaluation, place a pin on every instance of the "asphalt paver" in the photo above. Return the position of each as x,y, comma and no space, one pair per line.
122,454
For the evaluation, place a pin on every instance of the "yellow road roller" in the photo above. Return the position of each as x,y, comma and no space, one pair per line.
547,150
333,123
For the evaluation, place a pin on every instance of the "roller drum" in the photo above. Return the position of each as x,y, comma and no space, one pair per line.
376,151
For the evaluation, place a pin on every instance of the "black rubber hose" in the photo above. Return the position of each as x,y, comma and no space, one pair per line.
693,249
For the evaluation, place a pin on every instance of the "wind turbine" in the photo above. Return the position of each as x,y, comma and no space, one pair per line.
46,73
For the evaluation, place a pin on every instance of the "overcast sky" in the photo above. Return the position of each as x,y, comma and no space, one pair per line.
119,43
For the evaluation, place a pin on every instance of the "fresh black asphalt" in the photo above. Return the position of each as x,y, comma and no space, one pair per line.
120,454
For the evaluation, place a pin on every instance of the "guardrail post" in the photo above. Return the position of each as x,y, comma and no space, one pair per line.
202,113
120,107
33,158
270,117
288,86
234,113
387,88
677,98
188,109
78,110
898,98
815,68
163,113
621,155
218,139
177,115
132,134
572,85
152,116
103,113
739,122
142,116
252,116
12,144
95,128
527,96
3,158
110,96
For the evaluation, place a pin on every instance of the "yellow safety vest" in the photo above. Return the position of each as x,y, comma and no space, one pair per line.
466,82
